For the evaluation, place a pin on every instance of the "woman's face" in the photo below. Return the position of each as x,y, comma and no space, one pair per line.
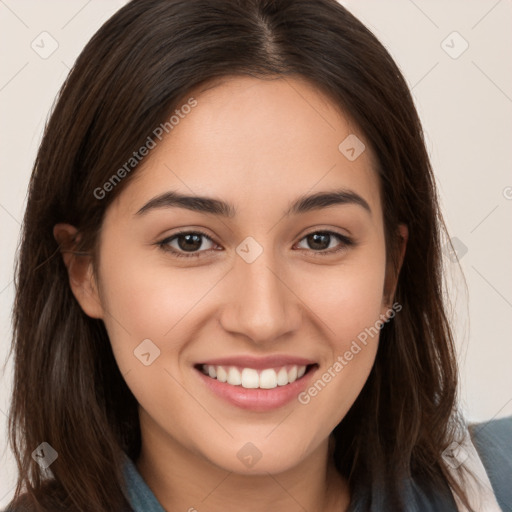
281,283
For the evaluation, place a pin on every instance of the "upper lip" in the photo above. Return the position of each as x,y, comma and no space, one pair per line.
259,363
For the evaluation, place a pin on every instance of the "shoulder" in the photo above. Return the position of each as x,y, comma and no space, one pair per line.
493,442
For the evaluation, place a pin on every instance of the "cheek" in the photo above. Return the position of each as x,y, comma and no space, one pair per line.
143,301
349,303
348,298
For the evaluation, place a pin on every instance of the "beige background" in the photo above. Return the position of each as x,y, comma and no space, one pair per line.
465,102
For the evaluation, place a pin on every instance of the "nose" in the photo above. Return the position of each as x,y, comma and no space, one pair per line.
262,305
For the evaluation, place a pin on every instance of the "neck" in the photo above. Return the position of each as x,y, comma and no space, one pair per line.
184,480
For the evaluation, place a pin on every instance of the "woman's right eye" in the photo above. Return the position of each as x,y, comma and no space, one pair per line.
185,244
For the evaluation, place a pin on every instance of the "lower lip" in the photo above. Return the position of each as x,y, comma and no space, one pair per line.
258,399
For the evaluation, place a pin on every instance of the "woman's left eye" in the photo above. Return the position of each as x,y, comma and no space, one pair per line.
187,243
321,240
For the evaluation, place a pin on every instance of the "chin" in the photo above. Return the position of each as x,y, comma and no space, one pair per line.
257,458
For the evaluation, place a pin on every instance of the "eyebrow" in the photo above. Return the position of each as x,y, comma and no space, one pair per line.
209,205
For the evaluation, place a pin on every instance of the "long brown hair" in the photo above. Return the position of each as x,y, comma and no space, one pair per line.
68,390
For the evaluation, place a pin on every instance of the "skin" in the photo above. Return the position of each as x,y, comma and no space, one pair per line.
258,145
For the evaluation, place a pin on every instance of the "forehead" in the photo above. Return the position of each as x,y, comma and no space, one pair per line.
257,142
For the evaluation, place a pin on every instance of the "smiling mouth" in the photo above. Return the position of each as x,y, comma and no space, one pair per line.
250,378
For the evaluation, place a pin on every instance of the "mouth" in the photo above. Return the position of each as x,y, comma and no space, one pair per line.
257,385
251,378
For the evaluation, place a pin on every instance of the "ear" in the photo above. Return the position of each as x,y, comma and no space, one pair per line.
80,270
392,273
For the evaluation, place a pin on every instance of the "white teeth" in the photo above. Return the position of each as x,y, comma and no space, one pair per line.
268,379
234,377
282,377
250,378
222,375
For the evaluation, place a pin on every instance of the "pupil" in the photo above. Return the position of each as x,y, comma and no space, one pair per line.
195,239
318,240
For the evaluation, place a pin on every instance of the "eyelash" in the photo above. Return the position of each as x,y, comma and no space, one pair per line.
346,243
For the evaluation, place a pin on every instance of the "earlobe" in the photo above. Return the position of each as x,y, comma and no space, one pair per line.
79,266
392,273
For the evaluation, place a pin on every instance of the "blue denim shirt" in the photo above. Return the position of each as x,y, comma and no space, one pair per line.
492,440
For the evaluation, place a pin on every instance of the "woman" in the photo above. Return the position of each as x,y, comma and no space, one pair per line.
229,290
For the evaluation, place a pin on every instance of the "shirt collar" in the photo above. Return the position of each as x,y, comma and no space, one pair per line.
137,492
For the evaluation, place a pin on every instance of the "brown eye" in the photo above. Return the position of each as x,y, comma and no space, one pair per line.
187,242
320,241
190,242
